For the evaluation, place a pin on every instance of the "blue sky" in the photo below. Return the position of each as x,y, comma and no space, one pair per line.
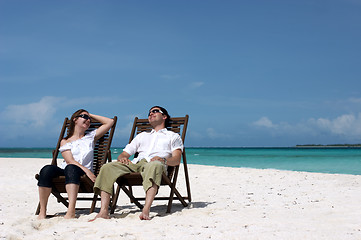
249,73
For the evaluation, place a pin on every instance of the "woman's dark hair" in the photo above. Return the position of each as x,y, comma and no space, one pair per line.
165,112
72,122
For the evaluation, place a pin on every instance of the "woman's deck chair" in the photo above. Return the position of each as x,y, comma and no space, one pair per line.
126,182
102,154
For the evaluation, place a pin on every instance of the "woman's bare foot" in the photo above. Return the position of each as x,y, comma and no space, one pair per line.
100,215
41,216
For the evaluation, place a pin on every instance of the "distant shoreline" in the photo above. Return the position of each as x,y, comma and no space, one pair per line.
329,146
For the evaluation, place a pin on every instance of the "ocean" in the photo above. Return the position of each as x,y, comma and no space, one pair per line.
322,160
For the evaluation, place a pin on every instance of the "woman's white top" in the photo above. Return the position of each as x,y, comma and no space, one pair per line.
82,150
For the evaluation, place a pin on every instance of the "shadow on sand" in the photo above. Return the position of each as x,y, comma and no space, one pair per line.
124,211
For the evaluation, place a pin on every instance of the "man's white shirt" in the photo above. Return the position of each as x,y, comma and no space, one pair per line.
151,144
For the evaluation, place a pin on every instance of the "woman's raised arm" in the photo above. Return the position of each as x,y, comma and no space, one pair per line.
107,123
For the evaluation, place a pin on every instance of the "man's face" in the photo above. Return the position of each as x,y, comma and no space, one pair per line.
155,114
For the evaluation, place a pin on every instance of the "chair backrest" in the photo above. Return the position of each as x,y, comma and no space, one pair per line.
101,148
177,125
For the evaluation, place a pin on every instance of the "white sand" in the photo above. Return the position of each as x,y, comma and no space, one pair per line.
228,203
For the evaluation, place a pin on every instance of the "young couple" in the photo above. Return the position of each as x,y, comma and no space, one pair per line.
156,149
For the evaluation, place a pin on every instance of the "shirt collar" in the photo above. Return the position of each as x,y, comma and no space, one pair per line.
163,130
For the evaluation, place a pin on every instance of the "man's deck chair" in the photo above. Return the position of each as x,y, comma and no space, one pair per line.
102,154
126,182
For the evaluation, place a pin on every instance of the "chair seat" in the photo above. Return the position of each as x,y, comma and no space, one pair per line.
130,179
135,179
86,185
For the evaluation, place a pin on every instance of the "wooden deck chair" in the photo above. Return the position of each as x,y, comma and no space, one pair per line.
126,182
102,154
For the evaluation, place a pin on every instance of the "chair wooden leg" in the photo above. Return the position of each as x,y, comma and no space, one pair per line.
171,196
94,202
130,195
60,198
131,192
114,200
170,202
187,183
181,199
172,192
38,209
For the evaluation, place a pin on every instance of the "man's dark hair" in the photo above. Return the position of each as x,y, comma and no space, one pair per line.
165,112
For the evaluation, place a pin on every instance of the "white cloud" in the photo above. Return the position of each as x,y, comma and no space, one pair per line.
213,134
196,135
32,114
355,100
35,120
264,122
347,126
195,85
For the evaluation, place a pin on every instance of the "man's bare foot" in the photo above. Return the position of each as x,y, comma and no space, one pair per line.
144,215
69,215
100,215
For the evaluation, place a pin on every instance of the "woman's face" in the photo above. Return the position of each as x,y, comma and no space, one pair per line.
83,120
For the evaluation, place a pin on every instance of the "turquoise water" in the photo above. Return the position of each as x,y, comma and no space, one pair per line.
323,160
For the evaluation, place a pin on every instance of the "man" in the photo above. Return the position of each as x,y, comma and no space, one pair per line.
156,149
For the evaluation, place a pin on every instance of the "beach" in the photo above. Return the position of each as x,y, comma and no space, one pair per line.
227,203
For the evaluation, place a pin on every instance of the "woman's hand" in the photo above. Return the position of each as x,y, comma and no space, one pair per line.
107,123
90,175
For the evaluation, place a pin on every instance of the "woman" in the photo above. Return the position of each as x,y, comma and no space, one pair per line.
77,150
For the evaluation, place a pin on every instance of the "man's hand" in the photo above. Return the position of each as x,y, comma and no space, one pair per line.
156,158
124,160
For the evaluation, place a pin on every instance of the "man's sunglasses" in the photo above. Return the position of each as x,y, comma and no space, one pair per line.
85,116
155,111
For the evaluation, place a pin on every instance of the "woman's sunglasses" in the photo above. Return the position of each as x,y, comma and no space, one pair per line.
86,117
155,111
